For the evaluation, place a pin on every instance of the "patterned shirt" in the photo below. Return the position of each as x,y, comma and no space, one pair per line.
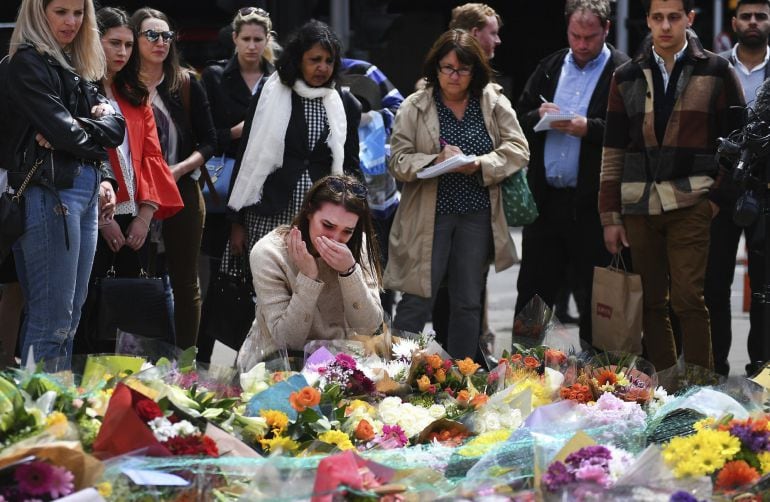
315,116
459,193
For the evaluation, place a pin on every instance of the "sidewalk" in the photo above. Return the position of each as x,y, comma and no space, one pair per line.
502,298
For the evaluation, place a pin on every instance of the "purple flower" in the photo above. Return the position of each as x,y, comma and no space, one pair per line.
34,478
61,482
682,496
557,476
754,440
589,455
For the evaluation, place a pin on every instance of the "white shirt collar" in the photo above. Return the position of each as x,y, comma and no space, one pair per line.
742,67
678,55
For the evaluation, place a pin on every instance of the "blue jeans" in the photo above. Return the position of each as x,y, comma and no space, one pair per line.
462,247
55,279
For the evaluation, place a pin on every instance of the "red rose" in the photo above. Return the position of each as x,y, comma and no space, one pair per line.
147,410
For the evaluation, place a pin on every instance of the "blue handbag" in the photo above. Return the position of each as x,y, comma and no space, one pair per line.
220,170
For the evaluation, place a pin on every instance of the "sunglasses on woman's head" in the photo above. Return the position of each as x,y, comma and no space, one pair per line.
247,11
355,188
153,36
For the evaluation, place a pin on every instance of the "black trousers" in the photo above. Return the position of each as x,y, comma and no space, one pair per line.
562,238
720,272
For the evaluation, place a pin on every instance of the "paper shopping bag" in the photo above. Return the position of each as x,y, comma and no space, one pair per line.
616,308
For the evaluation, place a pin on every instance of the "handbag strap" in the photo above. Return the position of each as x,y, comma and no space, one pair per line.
30,174
111,272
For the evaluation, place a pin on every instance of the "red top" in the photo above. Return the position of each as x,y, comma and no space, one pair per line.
154,182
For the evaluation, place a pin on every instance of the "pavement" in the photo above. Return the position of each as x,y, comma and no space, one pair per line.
502,299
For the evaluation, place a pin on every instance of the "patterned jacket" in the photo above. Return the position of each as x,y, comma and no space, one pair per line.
641,176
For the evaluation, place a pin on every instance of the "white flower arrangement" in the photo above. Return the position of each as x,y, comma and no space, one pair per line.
163,429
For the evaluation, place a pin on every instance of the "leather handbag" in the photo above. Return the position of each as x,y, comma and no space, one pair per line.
518,203
227,313
12,212
220,171
136,305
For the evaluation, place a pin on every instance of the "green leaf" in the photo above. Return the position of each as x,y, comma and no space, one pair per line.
186,359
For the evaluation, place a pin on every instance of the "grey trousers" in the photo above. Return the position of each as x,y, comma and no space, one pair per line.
462,246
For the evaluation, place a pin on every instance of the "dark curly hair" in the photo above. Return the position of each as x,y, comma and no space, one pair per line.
313,32
321,192
468,52
127,80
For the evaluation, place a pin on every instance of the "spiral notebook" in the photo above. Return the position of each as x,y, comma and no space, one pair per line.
548,118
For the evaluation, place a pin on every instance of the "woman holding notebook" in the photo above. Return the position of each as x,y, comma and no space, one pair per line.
452,225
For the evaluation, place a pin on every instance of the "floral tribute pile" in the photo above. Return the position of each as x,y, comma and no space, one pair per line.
411,424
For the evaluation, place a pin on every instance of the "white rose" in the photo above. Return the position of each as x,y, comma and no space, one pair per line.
437,411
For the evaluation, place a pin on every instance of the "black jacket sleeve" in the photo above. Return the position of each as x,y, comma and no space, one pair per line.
237,216
351,164
202,124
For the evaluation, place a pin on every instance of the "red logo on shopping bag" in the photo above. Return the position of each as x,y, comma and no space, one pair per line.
603,310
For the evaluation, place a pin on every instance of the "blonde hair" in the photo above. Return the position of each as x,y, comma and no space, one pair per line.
86,56
256,17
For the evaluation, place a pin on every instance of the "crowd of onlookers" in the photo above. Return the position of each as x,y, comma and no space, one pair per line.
291,182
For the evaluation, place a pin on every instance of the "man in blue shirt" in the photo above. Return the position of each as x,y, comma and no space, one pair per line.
565,160
749,57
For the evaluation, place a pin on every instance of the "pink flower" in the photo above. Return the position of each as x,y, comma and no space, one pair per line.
594,473
393,433
34,478
61,482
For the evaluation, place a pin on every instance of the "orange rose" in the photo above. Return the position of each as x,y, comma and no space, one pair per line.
467,367
423,383
463,396
553,356
479,400
304,399
531,362
516,358
364,431
440,375
434,361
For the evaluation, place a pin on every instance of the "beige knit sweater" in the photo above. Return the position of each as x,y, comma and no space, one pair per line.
293,309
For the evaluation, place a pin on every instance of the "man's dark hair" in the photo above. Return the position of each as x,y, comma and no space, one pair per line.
289,65
751,2
687,4
600,8
468,52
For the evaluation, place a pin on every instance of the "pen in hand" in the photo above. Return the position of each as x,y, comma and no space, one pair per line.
543,99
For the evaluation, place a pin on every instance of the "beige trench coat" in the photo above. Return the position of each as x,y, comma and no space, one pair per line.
414,145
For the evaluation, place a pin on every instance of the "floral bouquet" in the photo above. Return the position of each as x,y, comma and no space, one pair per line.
596,465
33,479
734,453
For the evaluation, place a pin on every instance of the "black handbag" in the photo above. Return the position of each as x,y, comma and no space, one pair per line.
227,313
12,212
135,305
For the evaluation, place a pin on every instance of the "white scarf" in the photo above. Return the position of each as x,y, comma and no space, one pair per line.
265,145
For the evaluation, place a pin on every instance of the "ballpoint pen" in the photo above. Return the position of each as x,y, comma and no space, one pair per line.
543,99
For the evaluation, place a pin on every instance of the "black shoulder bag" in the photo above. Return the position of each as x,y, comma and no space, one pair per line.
12,213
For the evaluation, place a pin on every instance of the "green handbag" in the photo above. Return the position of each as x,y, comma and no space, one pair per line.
518,204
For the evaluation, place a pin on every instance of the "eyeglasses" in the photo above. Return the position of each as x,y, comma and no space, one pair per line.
759,16
153,36
355,188
247,11
449,70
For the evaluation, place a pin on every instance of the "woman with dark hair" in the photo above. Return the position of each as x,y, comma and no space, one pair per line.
452,225
146,189
230,86
319,279
54,55
187,138
300,127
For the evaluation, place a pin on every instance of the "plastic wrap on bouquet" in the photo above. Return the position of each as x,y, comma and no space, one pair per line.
682,376
536,326
627,376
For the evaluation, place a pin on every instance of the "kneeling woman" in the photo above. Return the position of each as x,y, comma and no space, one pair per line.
320,278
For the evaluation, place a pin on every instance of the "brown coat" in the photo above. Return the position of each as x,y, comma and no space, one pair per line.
414,145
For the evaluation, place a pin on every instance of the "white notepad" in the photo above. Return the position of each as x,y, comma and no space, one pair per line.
448,166
548,118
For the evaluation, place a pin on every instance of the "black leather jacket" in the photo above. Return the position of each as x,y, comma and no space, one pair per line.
46,98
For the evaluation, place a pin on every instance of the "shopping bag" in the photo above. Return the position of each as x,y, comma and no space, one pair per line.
616,308
518,203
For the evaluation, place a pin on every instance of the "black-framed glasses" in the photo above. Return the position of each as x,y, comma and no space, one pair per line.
153,35
247,11
449,70
355,188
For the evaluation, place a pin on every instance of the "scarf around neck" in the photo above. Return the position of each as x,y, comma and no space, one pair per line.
265,145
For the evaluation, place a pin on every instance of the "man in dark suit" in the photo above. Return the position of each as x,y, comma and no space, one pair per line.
566,160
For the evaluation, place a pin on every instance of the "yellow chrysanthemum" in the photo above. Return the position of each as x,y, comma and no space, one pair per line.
104,489
708,461
276,420
764,461
55,419
725,444
280,443
482,443
336,438
706,423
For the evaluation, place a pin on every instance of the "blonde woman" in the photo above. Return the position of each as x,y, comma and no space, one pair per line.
60,119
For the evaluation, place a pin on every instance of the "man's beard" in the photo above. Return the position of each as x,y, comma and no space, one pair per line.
752,41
